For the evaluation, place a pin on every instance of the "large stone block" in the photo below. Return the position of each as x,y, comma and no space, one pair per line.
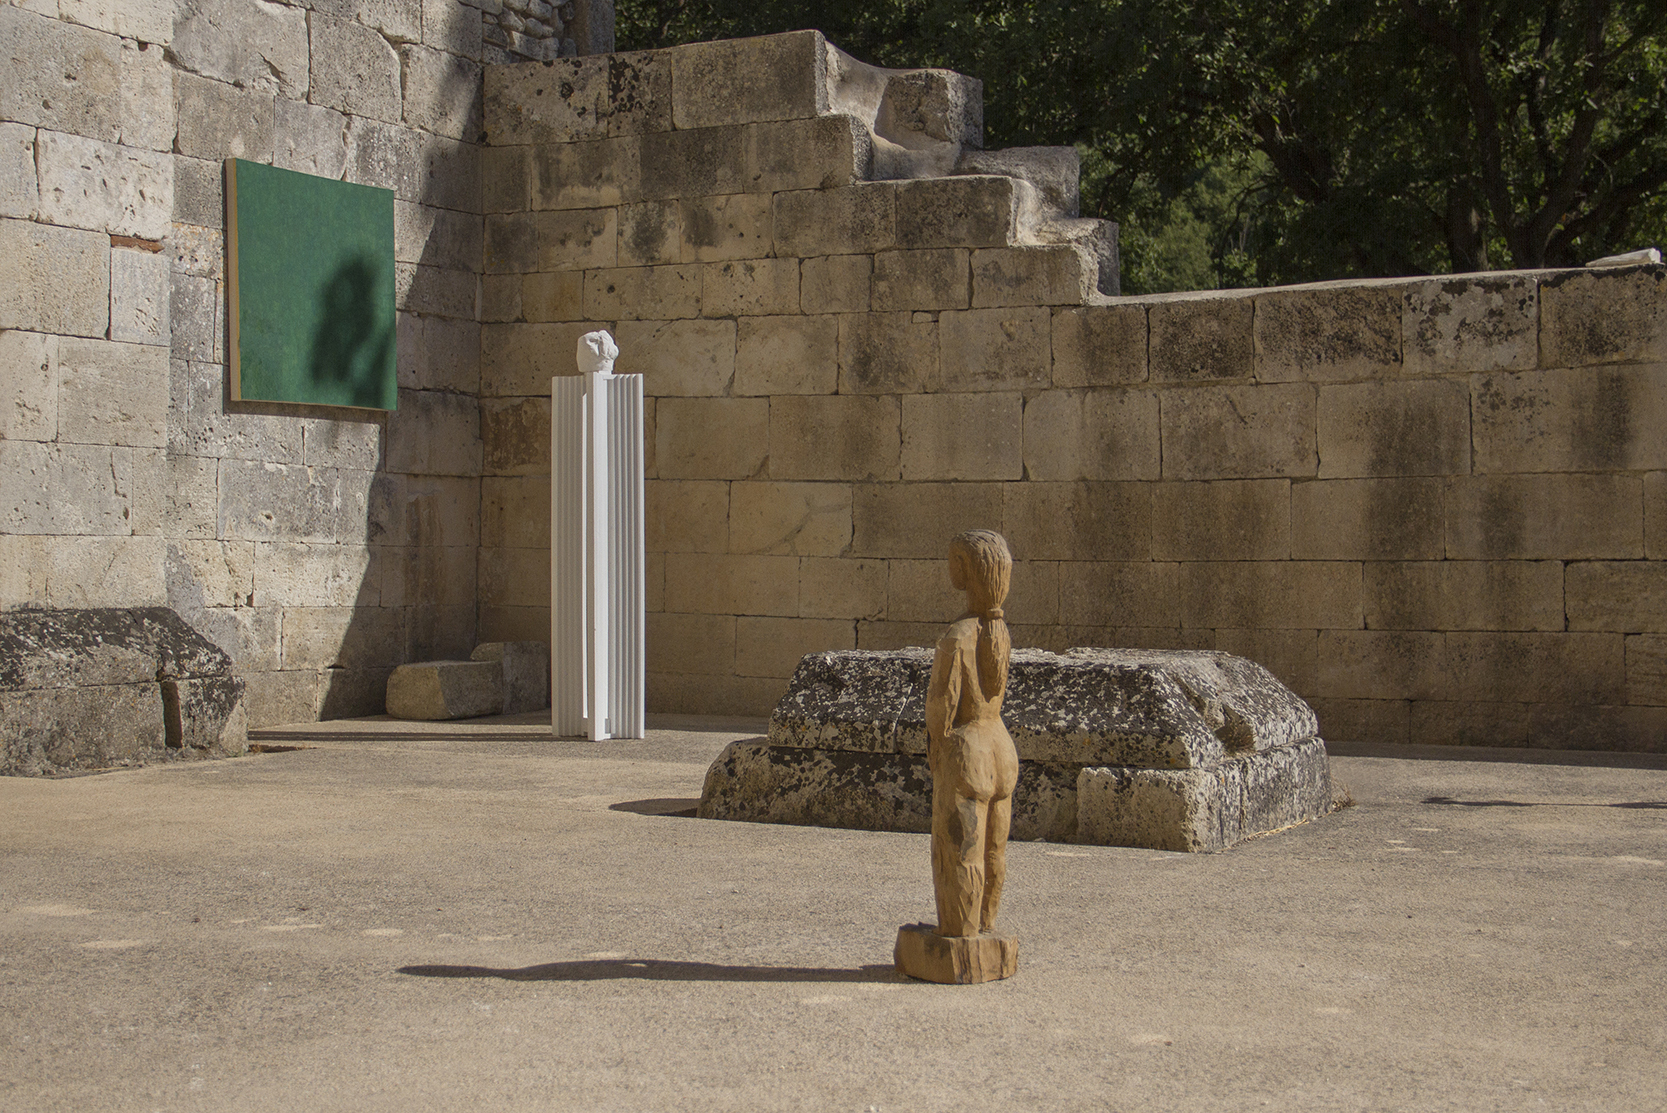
65,489
710,229
1537,667
1629,596
858,220
1603,316
1194,338
58,76
353,69
750,287
733,583
437,237
510,243
1545,517
292,574
87,183
686,515
1383,664
149,20
1367,519
437,433
963,436
515,511
825,152
846,748
692,163
772,77
688,357
842,588
1477,323
208,573
438,690
1092,434
512,578
586,175
342,637
1240,432
687,449
1646,670
28,386
1052,274
994,349
971,211
1580,420
437,353
217,120
643,293
112,571
835,438
836,284
90,687
1290,595
141,295
1394,428
581,239
1465,595
526,673
442,92
917,519
262,501
19,183
1247,519
804,519
773,646
887,353
1655,516
1103,345
1078,521
1328,333
112,393
452,27
786,355
693,644
1166,810
651,233
557,102
938,278
148,118
1121,594
199,192
1379,721
254,46
354,446
436,290
515,436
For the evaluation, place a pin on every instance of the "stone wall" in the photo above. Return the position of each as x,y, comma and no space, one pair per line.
317,547
1436,508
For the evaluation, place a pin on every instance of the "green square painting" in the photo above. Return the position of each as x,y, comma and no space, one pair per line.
311,278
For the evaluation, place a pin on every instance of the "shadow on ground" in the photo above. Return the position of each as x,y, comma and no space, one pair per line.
1638,804
656,970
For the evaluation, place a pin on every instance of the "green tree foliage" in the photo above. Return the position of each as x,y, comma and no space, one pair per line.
1264,141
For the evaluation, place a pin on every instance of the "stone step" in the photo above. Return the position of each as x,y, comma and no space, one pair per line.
500,678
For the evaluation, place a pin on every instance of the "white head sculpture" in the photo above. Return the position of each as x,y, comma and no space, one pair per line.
597,352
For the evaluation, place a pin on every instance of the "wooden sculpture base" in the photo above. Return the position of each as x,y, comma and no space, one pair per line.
950,960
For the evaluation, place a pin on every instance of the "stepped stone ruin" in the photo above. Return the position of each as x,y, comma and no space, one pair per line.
1170,750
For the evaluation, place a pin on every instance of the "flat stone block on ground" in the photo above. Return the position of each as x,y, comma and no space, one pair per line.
1200,749
955,960
526,673
434,690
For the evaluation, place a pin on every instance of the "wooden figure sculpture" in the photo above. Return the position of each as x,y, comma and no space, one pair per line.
974,768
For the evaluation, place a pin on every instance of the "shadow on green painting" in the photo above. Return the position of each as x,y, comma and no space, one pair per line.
311,265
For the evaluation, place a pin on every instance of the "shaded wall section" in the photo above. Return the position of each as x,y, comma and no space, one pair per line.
1436,508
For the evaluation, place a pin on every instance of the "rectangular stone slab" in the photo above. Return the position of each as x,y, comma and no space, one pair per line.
1143,708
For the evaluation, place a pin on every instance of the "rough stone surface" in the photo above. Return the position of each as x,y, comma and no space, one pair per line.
526,672
88,688
433,690
1214,747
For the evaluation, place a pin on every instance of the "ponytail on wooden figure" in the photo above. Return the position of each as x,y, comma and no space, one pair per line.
989,569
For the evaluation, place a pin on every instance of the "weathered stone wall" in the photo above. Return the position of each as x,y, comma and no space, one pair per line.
317,547
1437,509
